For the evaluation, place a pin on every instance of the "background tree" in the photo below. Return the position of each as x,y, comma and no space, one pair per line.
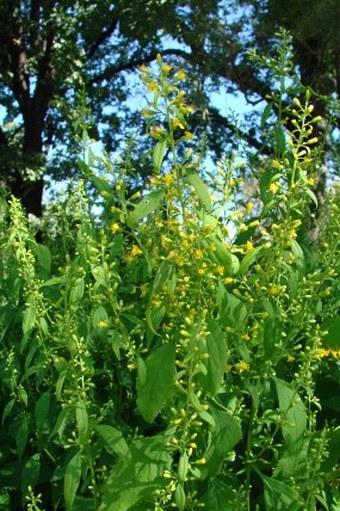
52,49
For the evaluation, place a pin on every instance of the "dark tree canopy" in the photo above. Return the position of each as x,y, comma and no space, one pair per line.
52,49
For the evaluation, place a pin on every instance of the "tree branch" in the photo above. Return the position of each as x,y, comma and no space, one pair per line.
216,118
111,71
102,38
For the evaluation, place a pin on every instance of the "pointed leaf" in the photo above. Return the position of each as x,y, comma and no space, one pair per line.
201,189
148,204
158,154
155,380
136,478
72,479
293,411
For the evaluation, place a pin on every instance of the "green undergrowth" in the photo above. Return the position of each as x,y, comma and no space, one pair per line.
176,348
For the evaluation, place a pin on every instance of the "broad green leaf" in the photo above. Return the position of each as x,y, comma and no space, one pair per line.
82,420
113,440
332,338
44,258
72,479
219,496
266,113
29,319
21,435
201,189
280,139
216,363
163,274
41,414
280,496
99,314
232,311
299,255
102,184
154,316
135,479
158,154
272,335
148,204
224,437
250,259
30,473
225,258
292,461
294,416
77,291
155,380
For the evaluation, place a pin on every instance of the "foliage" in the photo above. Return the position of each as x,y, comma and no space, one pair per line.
52,50
171,353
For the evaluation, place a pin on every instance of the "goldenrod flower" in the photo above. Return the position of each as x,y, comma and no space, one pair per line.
114,227
274,188
242,366
135,250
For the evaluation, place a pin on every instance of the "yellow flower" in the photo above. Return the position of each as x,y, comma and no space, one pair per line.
274,188
273,290
135,251
198,254
152,86
166,68
220,269
114,227
180,75
290,358
249,207
228,280
242,366
102,323
168,179
249,246
176,123
245,337
311,181
276,164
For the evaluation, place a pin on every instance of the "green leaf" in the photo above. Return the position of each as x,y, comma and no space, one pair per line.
280,496
201,189
145,207
113,440
225,258
250,259
44,258
299,255
82,420
266,114
41,414
158,154
21,435
293,410
163,274
219,496
226,434
30,473
280,139
292,461
155,380
102,184
332,338
135,479
216,363
72,479
77,291
232,311
99,314
29,319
